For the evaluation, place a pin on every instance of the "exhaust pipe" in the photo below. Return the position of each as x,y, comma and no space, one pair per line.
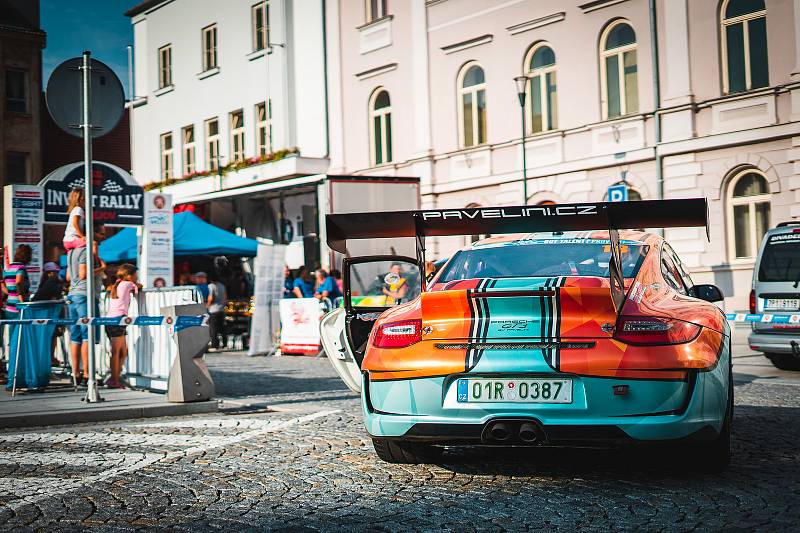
500,431
529,433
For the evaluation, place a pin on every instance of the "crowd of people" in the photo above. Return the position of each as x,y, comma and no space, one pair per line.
319,284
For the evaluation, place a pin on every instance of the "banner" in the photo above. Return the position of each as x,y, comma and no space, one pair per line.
156,247
300,325
117,198
268,272
22,222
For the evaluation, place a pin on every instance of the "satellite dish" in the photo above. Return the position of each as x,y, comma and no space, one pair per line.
65,94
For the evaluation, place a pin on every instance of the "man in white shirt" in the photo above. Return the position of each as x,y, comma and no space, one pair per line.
217,298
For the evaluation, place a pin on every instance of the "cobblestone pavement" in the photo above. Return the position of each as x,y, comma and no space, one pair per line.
307,464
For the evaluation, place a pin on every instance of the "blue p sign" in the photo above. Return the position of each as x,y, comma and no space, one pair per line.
618,193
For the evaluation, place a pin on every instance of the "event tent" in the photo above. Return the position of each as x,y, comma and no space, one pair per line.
191,236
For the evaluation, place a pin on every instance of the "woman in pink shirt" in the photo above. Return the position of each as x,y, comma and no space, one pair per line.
120,301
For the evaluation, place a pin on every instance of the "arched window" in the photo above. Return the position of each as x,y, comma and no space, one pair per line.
472,105
541,69
744,45
748,211
380,110
618,70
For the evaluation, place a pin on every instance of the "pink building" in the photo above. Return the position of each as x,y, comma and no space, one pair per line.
427,88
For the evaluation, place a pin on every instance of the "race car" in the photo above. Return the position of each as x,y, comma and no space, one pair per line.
564,328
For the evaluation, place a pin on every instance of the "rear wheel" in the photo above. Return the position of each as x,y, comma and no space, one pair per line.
784,361
393,451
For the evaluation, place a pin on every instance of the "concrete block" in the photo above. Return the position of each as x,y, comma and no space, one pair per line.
189,379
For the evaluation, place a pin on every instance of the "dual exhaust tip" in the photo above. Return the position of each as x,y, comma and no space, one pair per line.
513,431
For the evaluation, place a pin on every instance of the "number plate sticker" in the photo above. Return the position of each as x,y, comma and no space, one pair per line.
534,390
782,304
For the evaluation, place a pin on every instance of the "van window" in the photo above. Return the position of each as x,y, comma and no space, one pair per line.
781,258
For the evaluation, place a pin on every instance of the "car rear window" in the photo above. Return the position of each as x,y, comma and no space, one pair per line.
781,258
543,257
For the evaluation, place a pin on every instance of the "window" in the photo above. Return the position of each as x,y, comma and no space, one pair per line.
166,156
748,212
237,136
472,105
263,129
260,19
541,97
210,47
618,70
165,66
188,150
16,91
744,45
381,127
671,274
16,168
212,144
542,255
376,9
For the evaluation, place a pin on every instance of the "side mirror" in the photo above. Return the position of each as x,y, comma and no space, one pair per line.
707,292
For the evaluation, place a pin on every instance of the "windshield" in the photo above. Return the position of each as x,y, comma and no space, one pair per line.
781,258
543,257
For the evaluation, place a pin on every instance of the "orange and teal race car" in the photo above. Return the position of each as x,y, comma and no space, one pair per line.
564,328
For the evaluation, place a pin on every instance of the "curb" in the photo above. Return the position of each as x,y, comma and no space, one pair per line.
79,416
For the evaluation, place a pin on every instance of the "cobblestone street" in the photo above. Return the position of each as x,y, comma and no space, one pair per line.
307,464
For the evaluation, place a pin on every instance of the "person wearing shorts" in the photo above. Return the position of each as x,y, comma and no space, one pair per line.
124,288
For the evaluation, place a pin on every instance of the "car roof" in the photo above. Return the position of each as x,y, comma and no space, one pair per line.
518,238
784,227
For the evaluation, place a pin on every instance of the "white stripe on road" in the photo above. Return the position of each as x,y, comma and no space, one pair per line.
46,488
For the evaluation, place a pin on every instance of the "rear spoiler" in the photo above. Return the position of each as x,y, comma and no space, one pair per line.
611,216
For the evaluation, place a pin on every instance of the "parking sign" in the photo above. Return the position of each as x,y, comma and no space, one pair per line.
618,193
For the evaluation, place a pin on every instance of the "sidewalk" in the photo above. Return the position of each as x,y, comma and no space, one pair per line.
60,404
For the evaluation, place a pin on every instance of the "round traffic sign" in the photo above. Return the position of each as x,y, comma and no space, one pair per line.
65,97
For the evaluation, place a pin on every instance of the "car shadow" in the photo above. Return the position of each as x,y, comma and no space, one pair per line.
751,425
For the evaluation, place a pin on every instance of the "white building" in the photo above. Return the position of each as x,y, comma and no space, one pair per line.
219,85
426,87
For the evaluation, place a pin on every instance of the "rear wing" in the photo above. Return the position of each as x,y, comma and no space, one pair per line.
611,216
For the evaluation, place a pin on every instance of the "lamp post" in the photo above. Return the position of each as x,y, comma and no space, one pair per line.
522,82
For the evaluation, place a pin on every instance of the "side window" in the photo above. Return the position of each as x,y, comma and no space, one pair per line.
670,272
687,279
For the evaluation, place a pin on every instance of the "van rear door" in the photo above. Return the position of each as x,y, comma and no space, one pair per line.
777,279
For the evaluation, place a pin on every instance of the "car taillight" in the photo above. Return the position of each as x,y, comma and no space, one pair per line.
398,334
652,330
752,301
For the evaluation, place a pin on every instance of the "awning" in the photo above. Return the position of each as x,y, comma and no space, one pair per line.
191,236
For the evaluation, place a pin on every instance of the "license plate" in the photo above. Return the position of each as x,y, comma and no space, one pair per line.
473,390
782,304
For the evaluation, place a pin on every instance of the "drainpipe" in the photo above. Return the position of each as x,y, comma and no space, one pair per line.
656,101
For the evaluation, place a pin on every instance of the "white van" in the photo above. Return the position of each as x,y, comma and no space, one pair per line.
776,291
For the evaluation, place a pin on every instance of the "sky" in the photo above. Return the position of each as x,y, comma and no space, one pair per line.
100,26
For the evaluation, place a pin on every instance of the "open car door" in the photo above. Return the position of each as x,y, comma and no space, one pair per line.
372,284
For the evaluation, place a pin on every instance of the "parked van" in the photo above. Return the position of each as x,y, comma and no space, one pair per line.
776,291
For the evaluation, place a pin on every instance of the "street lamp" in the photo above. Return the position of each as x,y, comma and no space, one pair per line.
522,82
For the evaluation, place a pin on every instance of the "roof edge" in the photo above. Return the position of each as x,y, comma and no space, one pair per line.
142,7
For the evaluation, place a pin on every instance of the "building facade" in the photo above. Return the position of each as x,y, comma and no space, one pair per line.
226,97
21,43
428,88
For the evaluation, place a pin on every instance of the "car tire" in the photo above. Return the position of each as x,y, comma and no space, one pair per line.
393,451
784,361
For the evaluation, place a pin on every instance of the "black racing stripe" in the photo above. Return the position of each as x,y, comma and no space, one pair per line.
473,319
557,328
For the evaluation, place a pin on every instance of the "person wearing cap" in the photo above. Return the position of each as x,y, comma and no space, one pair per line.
50,285
201,281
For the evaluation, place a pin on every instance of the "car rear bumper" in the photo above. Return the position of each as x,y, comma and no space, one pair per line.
772,342
652,411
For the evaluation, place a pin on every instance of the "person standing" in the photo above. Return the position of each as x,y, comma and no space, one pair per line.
124,287
50,284
288,283
78,308
201,281
217,298
16,282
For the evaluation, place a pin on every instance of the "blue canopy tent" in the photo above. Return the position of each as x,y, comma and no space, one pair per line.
191,236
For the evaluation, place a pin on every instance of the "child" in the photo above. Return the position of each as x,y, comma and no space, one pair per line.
121,292
73,235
